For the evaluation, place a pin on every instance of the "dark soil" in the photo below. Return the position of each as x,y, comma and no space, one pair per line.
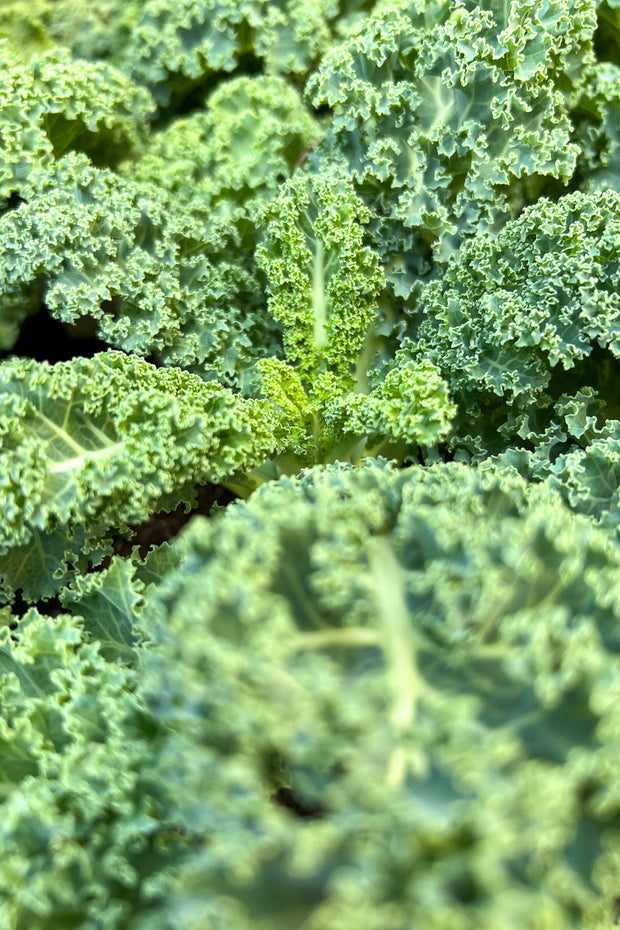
161,527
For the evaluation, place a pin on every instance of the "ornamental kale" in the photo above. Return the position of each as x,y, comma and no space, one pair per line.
355,262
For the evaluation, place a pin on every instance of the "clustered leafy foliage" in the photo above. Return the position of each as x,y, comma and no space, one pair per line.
356,264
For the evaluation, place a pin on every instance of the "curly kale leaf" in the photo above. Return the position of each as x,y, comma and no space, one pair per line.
596,117
525,316
173,49
577,453
451,117
332,395
233,153
56,104
158,281
380,627
88,834
91,445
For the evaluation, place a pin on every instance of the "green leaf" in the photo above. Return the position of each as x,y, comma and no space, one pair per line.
380,627
450,118
530,314
108,604
101,443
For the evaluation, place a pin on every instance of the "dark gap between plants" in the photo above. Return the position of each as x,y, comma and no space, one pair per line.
287,798
45,339
188,99
164,526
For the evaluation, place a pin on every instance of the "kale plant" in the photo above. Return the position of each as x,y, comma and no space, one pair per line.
350,269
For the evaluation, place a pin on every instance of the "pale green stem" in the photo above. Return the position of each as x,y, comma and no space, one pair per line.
366,356
318,297
80,460
345,636
399,648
